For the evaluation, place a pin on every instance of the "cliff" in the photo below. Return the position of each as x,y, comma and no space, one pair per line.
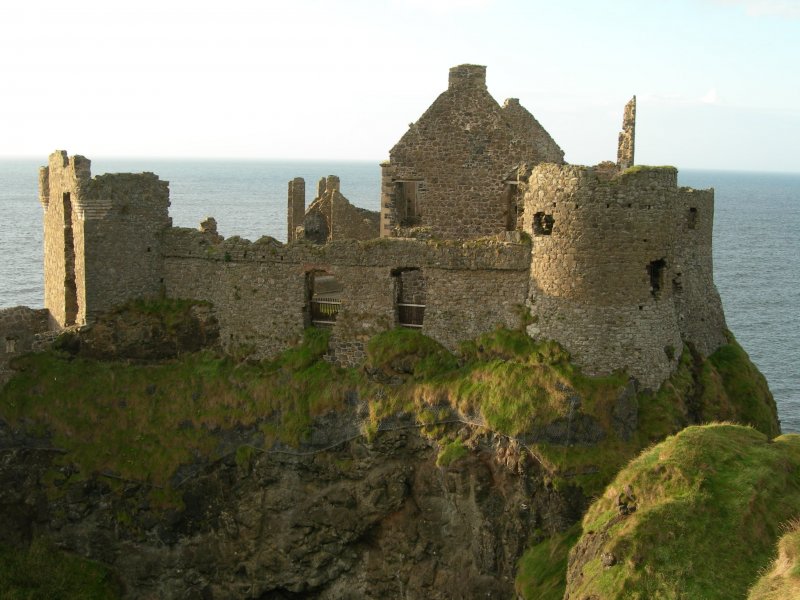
422,474
697,516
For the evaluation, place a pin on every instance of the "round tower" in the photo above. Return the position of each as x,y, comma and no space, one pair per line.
603,273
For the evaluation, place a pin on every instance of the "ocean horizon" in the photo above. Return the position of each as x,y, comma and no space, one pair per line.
757,215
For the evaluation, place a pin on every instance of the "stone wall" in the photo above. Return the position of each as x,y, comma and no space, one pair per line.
447,174
627,137
261,294
21,329
618,275
101,237
330,216
296,209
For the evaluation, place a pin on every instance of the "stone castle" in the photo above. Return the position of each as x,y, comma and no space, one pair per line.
481,224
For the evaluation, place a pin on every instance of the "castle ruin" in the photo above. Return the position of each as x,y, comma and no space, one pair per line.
616,264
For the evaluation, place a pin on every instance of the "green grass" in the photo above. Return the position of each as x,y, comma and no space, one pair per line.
782,580
40,572
450,452
542,570
141,421
710,504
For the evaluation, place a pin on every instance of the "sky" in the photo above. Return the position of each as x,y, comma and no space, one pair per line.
716,81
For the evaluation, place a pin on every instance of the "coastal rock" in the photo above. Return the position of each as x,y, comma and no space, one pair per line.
367,520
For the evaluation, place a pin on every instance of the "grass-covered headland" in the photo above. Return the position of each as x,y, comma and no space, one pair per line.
139,422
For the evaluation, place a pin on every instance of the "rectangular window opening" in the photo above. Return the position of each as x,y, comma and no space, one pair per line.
324,298
406,197
410,295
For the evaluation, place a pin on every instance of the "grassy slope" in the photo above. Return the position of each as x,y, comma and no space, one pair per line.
710,504
141,421
42,573
782,581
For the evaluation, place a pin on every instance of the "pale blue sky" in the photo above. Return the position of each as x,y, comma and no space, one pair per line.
716,80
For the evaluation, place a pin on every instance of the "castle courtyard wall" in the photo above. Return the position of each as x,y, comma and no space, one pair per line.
260,291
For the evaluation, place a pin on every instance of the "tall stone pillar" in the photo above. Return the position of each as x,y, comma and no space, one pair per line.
627,136
296,207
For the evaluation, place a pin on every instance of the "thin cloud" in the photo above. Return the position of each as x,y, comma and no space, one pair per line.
788,9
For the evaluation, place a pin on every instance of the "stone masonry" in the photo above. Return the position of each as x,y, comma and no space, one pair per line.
330,216
102,237
448,173
627,137
619,269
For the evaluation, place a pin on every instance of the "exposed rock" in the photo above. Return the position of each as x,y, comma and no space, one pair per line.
133,333
365,520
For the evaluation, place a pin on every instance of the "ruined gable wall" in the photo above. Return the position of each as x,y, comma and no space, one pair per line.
532,139
352,222
260,295
590,285
331,216
459,150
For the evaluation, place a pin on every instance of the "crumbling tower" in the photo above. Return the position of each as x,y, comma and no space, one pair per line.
102,237
627,137
297,207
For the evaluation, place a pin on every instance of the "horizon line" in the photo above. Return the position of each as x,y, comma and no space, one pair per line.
377,162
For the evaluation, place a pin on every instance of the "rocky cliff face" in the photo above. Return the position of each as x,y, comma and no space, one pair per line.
373,519
420,475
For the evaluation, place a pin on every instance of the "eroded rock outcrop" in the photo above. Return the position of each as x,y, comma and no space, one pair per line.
365,520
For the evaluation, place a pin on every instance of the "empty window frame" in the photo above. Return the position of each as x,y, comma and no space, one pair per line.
324,298
543,224
410,296
407,201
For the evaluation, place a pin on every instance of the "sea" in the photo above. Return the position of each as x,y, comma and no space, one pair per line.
756,237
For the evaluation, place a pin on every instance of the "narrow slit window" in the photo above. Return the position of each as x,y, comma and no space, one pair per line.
511,195
655,271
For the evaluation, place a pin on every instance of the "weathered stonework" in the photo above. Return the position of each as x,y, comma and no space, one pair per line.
261,295
621,267
102,237
627,137
330,216
619,271
449,172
